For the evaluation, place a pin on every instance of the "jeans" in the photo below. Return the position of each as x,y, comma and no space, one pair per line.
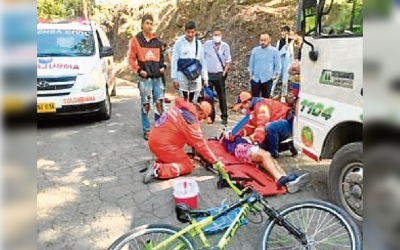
284,76
276,132
217,81
151,88
263,88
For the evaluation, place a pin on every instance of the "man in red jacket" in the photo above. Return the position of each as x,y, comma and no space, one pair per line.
175,129
146,59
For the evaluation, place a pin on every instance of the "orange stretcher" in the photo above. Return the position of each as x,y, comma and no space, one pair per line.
245,174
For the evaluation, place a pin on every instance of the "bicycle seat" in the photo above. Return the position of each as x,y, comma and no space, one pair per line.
184,213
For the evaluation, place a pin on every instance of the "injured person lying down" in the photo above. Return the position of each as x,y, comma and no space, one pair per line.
248,153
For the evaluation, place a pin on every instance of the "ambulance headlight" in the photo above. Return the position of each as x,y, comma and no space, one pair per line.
91,81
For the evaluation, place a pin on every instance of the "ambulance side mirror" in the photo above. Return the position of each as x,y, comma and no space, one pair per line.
106,51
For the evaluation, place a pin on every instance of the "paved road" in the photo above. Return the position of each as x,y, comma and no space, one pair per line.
90,191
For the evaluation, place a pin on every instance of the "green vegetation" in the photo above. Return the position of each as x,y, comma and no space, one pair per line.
60,9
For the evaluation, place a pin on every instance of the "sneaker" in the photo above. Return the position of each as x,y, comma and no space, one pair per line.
224,122
295,185
146,135
151,173
286,179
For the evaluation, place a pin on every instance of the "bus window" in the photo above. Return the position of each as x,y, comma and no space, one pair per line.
342,18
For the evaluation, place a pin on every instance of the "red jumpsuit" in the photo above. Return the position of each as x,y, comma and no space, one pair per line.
171,133
263,111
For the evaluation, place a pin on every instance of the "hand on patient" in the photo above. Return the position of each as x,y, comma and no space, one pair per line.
228,135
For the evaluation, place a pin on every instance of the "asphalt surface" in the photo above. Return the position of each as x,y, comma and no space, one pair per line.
90,190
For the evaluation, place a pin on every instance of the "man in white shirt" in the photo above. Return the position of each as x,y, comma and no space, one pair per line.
187,49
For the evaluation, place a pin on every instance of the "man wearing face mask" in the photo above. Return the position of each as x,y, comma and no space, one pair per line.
264,67
218,58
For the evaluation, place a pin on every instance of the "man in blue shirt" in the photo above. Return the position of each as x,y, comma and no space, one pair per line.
264,67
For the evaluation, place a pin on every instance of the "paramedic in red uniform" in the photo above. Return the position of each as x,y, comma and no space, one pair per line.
263,111
175,129
267,116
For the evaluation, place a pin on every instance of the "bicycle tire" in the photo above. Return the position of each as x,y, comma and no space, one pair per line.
130,239
272,237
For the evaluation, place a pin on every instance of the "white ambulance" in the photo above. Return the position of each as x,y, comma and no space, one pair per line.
74,70
329,120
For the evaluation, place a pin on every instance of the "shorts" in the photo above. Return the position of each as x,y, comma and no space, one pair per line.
243,152
152,88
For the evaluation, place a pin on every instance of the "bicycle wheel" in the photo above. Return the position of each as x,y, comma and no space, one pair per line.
326,226
137,238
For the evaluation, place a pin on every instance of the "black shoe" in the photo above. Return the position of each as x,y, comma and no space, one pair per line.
224,122
293,149
146,135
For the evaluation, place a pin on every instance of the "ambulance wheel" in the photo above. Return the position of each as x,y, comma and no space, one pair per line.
105,110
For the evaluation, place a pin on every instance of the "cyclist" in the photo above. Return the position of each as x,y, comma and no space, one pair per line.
175,129
245,152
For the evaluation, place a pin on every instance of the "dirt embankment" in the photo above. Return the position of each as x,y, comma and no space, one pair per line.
241,21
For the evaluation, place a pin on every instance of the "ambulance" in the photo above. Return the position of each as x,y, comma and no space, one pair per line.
75,74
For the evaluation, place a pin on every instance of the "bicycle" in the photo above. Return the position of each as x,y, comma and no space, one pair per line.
305,226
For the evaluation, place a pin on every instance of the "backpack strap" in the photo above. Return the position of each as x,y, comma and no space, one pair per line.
219,58
197,46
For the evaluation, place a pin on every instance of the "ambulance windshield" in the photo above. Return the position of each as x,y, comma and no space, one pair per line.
53,42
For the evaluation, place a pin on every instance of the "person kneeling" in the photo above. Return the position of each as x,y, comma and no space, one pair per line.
175,129
247,153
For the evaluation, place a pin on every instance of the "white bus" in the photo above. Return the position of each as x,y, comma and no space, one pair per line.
329,120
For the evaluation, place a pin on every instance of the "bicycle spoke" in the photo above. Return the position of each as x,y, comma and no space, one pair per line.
320,230
137,245
329,226
323,229
332,240
310,220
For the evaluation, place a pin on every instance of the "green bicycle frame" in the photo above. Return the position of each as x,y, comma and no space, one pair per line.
196,228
